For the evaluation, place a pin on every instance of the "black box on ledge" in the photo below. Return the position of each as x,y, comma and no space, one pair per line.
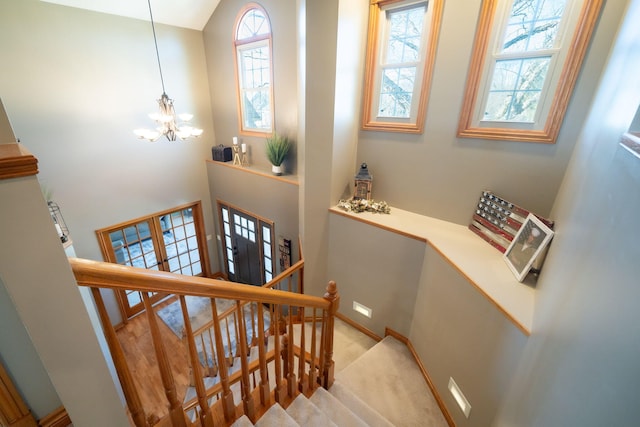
222,153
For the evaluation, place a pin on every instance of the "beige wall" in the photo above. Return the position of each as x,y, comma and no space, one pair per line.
378,269
218,44
459,333
272,200
580,367
81,81
440,175
75,84
37,277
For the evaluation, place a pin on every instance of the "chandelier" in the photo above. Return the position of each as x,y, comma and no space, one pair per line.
167,120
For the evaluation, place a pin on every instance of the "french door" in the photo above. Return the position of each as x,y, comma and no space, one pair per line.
248,245
172,240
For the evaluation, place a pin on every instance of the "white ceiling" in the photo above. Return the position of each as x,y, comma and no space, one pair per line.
192,14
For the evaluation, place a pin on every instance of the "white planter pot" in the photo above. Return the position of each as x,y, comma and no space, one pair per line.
277,170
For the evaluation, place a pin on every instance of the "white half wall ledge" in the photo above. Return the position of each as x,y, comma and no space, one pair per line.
479,263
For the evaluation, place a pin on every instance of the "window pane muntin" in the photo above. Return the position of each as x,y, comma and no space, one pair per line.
253,23
254,71
576,30
516,89
377,29
401,50
403,42
396,94
533,25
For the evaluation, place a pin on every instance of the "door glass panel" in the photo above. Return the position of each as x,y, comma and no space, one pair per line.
166,241
197,268
133,246
180,239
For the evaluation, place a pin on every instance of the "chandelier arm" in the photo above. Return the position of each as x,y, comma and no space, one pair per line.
155,41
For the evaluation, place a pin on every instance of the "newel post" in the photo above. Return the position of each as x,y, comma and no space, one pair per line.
329,366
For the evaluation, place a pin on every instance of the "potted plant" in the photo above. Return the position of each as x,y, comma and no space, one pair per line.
277,147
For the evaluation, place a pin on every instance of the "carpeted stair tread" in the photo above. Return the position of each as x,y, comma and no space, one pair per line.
357,406
339,414
307,414
386,378
276,416
243,421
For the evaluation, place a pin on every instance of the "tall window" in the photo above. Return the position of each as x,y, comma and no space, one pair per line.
400,55
254,75
526,58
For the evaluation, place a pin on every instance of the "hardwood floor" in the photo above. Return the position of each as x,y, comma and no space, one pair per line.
137,345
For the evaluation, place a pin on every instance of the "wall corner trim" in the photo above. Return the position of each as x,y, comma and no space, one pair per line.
16,161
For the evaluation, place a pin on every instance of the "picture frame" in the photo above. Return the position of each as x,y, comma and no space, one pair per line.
531,239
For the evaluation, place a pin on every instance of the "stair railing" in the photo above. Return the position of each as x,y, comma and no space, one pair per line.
315,366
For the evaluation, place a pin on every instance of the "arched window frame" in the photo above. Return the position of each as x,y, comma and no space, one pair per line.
244,44
374,68
561,78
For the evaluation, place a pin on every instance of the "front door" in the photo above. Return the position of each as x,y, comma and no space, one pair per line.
248,245
246,249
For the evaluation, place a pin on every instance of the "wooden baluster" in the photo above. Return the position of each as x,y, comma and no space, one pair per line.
213,370
291,376
329,365
321,353
228,359
241,344
279,391
236,319
284,354
265,396
313,372
126,379
206,419
303,383
228,407
254,336
176,413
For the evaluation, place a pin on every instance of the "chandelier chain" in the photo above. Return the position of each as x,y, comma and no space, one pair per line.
155,41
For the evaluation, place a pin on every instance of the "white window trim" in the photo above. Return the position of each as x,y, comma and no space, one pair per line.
373,73
574,35
244,44
242,89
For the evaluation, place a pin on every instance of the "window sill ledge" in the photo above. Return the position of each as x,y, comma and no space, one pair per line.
631,141
480,264
257,170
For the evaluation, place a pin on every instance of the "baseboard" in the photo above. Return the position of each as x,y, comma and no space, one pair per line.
57,418
219,275
359,327
425,374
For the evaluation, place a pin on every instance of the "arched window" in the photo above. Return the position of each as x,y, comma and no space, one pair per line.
254,71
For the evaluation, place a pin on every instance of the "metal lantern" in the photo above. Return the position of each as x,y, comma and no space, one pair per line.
58,221
363,183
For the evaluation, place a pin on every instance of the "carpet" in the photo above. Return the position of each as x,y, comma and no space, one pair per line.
390,366
199,309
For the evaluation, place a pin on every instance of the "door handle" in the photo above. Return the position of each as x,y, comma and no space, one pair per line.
235,250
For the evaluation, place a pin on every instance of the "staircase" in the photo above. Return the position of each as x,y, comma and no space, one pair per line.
364,395
285,375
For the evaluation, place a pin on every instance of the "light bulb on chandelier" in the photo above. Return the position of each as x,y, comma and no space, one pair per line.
167,122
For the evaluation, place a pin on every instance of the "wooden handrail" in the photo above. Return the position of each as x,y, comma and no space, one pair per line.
283,305
114,276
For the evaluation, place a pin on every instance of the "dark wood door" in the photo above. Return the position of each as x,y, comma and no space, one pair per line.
247,245
246,249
